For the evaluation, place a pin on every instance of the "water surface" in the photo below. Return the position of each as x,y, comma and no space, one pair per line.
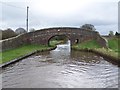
61,68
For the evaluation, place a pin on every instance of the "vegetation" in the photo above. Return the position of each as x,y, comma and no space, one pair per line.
55,42
89,44
111,33
88,27
117,34
8,33
111,51
31,30
107,52
9,55
21,51
20,31
0,34
113,44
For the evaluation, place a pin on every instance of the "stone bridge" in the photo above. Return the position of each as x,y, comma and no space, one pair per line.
44,35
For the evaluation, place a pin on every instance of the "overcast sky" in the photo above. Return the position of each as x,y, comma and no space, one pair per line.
103,14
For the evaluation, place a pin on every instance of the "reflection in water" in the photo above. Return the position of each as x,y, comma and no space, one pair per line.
61,68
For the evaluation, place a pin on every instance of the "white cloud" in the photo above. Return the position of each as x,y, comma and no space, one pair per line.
104,29
57,7
48,13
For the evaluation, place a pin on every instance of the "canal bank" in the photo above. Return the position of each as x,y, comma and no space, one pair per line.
112,59
21,52
24,55
111,53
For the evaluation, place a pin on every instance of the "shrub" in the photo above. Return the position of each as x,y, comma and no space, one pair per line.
8,33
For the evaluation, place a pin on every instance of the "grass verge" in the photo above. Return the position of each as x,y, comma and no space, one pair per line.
112,50
88,44
113,44
55,42
20,51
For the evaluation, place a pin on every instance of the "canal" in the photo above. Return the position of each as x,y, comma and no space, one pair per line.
61,68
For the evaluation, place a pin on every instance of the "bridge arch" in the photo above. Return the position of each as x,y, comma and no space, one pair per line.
75,35
59,36
42,36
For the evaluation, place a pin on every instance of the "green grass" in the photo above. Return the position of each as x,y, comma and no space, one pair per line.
111,51
26,49
108,52
21,51
89,44
55,42
113,44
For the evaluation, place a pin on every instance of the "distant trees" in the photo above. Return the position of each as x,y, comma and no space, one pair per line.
8,33
117,34
20,31
31,30
111,33
0,34
88,27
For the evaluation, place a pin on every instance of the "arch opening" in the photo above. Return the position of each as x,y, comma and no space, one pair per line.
58,39
76,41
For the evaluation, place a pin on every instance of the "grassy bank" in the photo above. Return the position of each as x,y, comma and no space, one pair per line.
88,44
21,51
112,50
55,42
113,44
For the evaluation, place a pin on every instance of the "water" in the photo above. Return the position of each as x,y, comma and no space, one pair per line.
61,68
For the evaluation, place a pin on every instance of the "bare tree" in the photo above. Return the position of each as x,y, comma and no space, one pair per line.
20,31
8,33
